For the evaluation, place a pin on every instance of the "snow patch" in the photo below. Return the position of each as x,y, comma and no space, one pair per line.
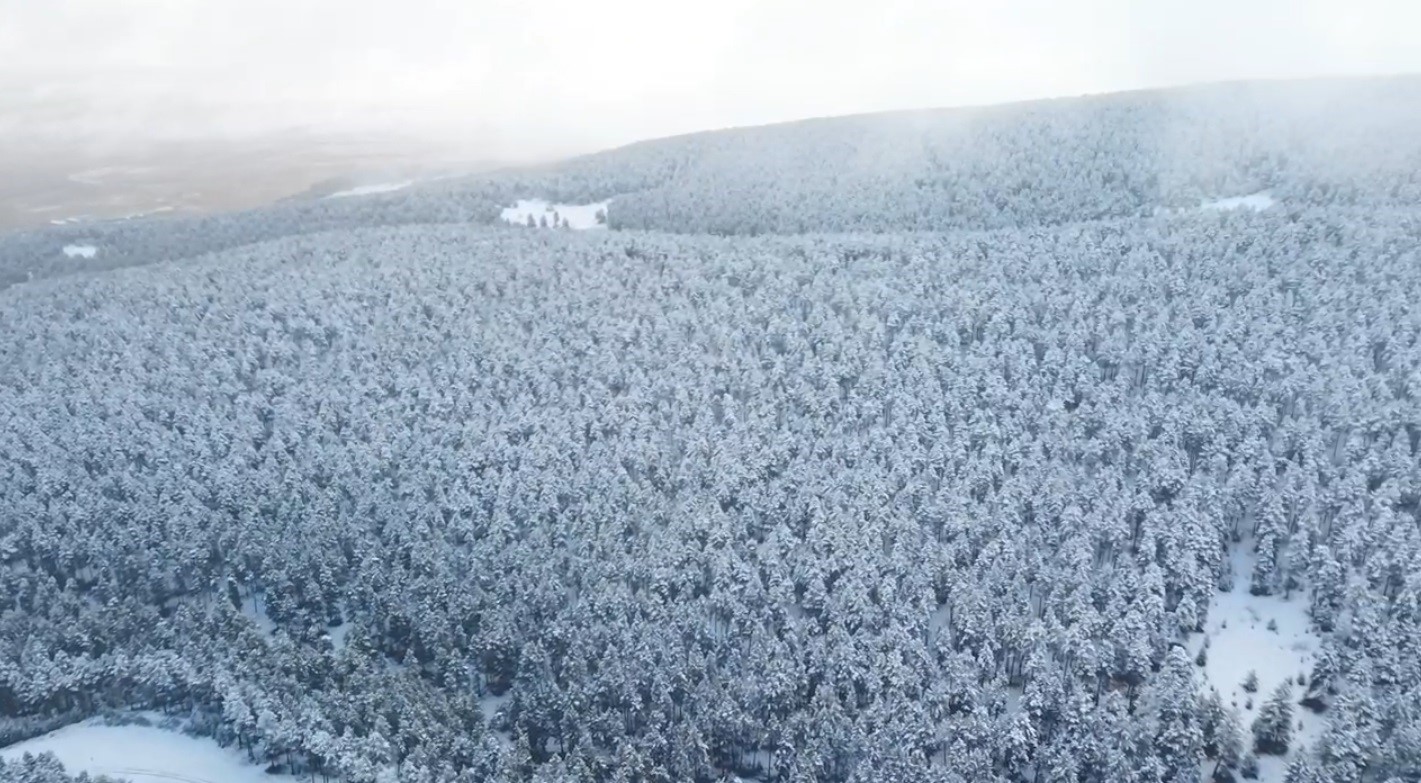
80,251
100,175
1240,641
339,636
143,754
489,705
257,612
371,190
580,217
1257,202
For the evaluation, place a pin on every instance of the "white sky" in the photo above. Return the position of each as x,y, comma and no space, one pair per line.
549,76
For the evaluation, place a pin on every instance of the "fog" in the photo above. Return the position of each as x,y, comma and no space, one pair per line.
531,79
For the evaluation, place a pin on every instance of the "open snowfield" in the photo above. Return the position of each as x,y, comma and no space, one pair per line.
143,754
1257,202
80,251
580,217
371,190
1240,641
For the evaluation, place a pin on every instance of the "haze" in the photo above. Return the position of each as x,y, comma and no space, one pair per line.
531,79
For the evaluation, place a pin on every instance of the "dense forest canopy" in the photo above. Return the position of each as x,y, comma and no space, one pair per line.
429,500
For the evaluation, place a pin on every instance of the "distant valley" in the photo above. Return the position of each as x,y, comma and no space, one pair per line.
63,181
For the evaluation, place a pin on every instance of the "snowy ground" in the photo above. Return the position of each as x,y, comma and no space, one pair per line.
1240,641
371,190
250,605
1257,202
80,251
580,217
339,636
489,705
144,754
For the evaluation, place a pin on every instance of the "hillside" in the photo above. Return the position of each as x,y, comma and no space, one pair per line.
1114,479
1343,142
1334,143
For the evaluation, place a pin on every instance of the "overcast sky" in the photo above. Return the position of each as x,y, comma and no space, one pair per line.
535,77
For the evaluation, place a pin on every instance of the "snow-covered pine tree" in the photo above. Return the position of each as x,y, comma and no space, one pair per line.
1273,728
1179,737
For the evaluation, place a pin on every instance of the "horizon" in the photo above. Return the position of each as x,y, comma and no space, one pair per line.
560,78
54,179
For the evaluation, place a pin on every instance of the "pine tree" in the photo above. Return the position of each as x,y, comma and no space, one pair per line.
1250,682
1302,770
1273,728
1223,734
1248,768
1179,737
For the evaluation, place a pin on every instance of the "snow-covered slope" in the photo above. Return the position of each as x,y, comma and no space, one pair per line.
1119,156
371,190
143,754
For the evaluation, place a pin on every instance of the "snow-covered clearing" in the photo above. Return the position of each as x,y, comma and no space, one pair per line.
142,754
371,190
254,606
80,251
1240,641
489,705
1257,202
339,635
580,217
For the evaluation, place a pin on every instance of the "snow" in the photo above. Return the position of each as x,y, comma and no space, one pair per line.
489,705
1257,202
80,251
581,217
371,190
261,618
147,213
339,635
1240,642
142,754
100,175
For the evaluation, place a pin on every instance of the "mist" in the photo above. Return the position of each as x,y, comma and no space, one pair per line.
517,81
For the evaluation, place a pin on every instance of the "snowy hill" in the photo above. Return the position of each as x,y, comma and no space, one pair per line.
1075,441
1336,144
1129,155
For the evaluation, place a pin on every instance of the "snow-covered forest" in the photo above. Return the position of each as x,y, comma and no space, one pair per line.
382,489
